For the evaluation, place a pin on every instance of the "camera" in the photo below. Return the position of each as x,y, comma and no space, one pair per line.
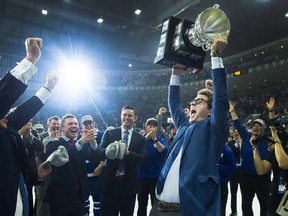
280,127
255,139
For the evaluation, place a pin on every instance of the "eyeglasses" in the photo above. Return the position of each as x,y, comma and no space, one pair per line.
199,100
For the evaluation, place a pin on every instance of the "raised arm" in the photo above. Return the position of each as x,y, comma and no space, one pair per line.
280,154
270,106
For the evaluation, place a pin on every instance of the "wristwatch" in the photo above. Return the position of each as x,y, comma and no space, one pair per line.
80,142
156,140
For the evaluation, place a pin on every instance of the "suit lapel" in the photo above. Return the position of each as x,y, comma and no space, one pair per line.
188,135
177,138
132,140
187,132
19,145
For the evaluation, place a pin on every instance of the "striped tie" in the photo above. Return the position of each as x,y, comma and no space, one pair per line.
24,195
121,166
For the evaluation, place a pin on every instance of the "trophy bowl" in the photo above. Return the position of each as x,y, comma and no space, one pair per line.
210,24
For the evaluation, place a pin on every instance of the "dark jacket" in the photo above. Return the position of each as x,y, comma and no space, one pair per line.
64,180
13,155
138,153
226,166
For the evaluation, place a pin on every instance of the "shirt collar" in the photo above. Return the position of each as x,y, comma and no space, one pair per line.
123,130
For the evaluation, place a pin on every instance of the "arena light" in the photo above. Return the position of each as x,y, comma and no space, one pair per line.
237,73
75,73
44,12
137,11
100,20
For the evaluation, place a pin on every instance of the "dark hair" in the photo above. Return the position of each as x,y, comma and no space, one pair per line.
52,118
130,108
171,127
209,94
65,117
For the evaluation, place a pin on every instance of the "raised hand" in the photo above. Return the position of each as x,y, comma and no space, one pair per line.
275,134
271,103
179,69
33,52
51,80
219,44
162,110
209,84
231,107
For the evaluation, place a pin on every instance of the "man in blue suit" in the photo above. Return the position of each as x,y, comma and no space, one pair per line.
189,180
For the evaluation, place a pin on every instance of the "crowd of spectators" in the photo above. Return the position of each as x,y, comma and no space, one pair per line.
147,103
106,113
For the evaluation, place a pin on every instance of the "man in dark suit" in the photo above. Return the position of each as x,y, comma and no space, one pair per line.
189,180
237,146
119,182
33,145
53,133
69,187
13,155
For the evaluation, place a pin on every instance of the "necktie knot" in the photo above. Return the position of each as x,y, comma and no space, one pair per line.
72,142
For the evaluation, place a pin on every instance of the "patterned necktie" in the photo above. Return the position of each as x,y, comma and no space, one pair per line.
24,195
168,164
72,142
121,166
126,137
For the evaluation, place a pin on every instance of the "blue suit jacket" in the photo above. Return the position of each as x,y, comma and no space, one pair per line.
199,187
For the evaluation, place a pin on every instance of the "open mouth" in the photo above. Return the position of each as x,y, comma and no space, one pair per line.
73,130
193,113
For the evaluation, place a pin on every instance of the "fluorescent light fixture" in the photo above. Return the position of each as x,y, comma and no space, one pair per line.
100,20
44,12
138,11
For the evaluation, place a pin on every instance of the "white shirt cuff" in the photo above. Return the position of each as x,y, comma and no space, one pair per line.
175,80
24,71
216,62
78,146
43,94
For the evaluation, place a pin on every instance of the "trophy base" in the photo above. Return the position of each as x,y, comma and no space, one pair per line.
175,47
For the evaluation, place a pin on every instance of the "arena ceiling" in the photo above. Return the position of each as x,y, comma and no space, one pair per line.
126,38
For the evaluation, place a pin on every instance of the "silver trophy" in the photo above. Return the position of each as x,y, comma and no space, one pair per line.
210,24
186,43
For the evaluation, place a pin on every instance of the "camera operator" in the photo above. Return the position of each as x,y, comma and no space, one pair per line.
252,183
278,162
